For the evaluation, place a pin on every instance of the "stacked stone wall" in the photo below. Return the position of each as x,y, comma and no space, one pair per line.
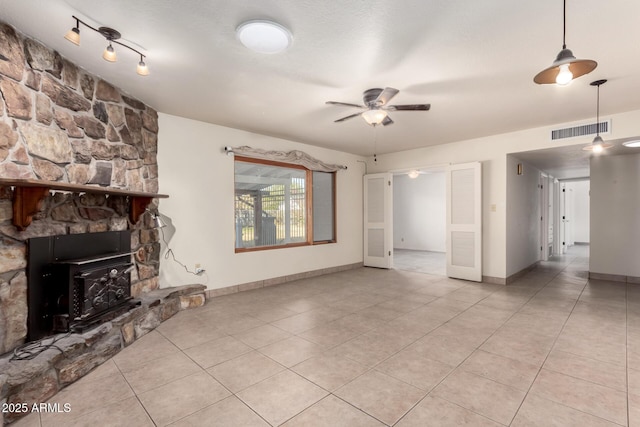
60,123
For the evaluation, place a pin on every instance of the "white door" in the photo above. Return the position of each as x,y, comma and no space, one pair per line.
378,220
464,221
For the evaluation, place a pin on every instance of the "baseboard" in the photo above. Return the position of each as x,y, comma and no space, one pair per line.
515,276
494,280
614,277
212,293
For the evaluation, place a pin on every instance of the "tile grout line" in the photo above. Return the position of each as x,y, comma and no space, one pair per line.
134,393
476,348
554,343
626,348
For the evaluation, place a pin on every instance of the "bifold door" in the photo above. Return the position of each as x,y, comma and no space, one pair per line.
378,220
464,221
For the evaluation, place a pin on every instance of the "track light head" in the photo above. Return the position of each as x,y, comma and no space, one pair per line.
109,54
73,36
142,69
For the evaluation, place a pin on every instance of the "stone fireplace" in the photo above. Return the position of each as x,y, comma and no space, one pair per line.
61,124
77,161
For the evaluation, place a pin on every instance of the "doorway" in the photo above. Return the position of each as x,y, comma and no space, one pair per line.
574,213
463,220
419,221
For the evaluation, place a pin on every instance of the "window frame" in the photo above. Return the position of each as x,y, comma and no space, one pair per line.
309,241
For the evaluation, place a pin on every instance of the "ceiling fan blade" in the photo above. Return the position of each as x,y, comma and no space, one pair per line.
346,104
387,121
411,107
347,118
386,95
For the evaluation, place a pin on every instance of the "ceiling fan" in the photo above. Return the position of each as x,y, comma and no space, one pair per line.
376,106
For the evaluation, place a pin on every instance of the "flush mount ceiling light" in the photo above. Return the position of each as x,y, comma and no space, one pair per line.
566,67
413,174
264,36
112,36
598,145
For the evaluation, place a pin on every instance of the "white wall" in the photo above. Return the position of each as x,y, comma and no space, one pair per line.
579,200
615,214
198,178
523,216
419,212
492,151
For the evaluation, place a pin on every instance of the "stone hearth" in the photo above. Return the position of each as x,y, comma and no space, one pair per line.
36,380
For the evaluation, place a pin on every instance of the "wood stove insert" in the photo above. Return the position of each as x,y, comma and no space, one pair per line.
77,281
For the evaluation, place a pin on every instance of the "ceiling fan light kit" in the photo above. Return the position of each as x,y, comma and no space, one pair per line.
566,66
376,106
374,117
112,36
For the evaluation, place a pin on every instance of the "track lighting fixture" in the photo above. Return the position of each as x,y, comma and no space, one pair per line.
566,67
112,36
598,144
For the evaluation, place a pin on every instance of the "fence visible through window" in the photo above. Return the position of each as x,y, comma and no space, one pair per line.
273,215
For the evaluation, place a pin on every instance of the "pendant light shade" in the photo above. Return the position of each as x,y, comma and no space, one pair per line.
598,145
566,66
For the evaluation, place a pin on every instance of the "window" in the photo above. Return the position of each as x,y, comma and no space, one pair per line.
282,205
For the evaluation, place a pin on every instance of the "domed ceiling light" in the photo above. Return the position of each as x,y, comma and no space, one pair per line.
632,144
264,36
566,67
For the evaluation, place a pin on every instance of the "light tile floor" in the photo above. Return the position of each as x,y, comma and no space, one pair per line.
372,347
420,261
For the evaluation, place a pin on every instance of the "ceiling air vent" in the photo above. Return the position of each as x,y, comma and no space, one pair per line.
581,130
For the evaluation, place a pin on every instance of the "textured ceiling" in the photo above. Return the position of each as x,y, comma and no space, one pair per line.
474,61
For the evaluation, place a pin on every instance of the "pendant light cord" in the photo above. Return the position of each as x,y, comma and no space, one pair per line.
375,143
598,113
564,25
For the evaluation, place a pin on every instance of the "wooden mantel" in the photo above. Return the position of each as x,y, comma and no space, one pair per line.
29,193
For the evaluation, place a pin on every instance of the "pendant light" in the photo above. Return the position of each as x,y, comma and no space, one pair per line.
598,145
566,67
